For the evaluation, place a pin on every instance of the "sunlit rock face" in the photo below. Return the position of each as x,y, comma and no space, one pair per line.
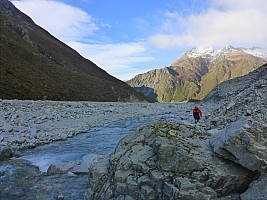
164,160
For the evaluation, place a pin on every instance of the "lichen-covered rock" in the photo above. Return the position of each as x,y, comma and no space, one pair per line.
163,160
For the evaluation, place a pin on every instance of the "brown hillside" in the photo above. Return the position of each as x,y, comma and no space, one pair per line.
36,65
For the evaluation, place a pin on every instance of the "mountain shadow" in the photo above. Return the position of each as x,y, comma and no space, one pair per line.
148,92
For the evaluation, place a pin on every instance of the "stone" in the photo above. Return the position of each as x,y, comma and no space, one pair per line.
60,197
248,112
230,105
243,144
157,178
80,169
5,153
170,191
61,168
256,190
143,180
1,137
132,186
147,192
98,175
213,131
71,174
7,127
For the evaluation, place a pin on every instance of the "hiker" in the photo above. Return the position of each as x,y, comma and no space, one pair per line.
197,114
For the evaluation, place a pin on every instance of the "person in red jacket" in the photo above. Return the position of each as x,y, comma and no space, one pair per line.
197,114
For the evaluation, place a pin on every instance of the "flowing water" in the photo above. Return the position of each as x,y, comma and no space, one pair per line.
97,142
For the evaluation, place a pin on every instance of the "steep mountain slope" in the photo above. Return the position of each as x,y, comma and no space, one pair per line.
197,72
244,96
254,82
35,65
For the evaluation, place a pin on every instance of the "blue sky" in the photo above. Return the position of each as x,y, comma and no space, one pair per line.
126,38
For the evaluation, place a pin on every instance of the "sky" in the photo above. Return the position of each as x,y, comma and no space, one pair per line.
126,38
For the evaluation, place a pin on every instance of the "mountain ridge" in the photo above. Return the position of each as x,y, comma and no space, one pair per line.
202,51
198,71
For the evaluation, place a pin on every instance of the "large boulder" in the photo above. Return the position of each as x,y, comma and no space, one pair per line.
164,160
243,144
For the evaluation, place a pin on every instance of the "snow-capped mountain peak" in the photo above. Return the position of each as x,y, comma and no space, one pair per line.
200,52
227,49
209,52
257,52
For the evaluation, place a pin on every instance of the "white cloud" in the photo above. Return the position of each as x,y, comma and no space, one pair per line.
73,26
64,21
117,59
238,23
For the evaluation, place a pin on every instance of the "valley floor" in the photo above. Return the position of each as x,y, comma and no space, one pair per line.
26,124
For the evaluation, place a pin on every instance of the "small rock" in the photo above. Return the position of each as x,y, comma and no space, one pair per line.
16,154
70,174
230,105
7,127
248,112
60,197
1,138
5,153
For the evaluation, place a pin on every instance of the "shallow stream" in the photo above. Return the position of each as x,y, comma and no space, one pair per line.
21,180
98,142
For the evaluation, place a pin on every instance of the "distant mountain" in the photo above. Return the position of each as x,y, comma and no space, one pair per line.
36,65
197,72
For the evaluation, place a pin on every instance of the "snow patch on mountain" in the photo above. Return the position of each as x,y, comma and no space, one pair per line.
257,52
200,52
209,52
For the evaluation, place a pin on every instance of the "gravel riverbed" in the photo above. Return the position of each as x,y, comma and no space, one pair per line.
29,124
26,124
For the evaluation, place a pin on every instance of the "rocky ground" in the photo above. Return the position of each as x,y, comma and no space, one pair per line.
26,124
165,160
243,96
224,157
227,160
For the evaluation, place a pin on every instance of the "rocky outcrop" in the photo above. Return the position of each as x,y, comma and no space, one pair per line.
164,160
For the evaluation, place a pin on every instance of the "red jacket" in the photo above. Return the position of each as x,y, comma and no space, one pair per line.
197,112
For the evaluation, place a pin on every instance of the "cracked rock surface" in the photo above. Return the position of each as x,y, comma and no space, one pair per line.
166,160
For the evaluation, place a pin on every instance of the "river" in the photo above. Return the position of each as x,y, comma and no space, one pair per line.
22,180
